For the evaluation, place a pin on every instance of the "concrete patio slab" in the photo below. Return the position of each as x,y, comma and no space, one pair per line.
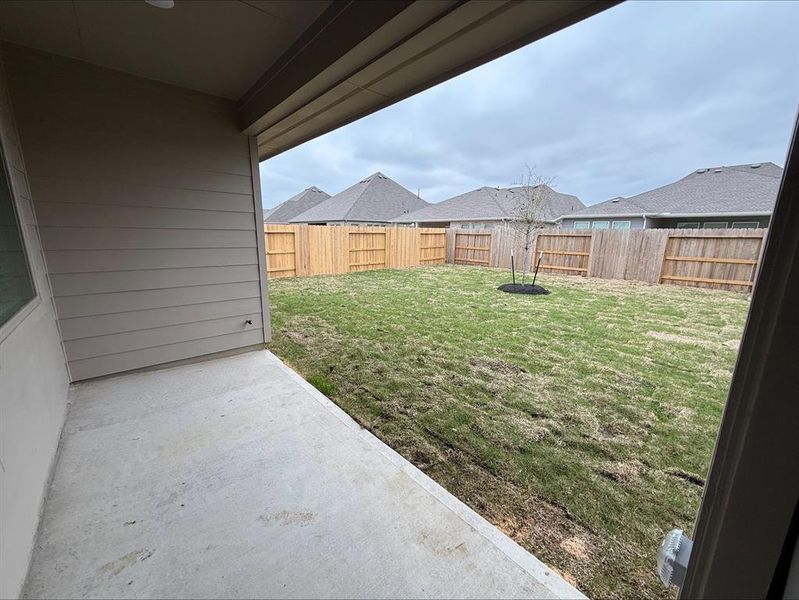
236,478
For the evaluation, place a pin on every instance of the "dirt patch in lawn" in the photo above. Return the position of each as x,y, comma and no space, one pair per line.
689,477
495,365
547,530
576,547
309,331
681,339
624,473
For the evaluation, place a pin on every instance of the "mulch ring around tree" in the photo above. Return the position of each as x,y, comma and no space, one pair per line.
527,288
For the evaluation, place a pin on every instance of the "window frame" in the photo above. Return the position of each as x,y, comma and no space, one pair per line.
606,222
628,225
706,223
7,328
745,225
688,225
587,225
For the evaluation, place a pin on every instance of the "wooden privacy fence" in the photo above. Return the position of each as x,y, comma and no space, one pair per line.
563,252
718,259
472,248
293,250
433,246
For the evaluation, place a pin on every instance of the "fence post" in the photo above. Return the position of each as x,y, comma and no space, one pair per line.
593,250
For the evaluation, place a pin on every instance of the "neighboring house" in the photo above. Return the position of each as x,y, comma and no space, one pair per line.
739,196
375,200
287,210
488,207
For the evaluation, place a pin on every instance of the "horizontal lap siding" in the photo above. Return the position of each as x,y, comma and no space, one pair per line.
90,305
87,238
130,281
123,322
136,359
144,196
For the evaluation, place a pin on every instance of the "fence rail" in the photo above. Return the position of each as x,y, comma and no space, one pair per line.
294,250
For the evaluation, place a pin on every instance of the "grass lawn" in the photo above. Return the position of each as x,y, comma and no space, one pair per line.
580,423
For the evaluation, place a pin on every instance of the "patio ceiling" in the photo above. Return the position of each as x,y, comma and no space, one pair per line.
297,69
217,47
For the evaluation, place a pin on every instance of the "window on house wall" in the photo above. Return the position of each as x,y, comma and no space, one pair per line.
745,225
600,224
16,281
582,225
714,225
688,225
621,224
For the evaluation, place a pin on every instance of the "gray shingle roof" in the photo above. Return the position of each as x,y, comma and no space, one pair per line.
295,205
374,199
487,203
737,189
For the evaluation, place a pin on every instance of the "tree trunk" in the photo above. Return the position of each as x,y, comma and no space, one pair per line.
526,258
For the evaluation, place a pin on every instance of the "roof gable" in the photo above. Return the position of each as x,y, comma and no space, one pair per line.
495,204
377,198
295,205
717,190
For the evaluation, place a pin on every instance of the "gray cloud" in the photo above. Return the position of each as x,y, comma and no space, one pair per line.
626,101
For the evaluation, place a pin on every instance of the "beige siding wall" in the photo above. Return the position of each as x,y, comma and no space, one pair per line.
33,385
148,214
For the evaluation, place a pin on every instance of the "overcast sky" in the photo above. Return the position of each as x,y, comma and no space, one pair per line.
631,99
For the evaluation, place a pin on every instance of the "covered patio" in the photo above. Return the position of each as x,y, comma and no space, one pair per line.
236,478
132,238
131,134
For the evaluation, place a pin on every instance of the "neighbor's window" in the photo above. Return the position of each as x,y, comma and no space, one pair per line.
745,225
688,225
714,225
600,224
582,225
621,224
16,285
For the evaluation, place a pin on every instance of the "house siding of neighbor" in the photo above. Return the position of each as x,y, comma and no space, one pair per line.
487,207
298,204
738,196
375,200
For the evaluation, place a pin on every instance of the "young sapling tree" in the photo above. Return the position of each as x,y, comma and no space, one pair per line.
531,196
